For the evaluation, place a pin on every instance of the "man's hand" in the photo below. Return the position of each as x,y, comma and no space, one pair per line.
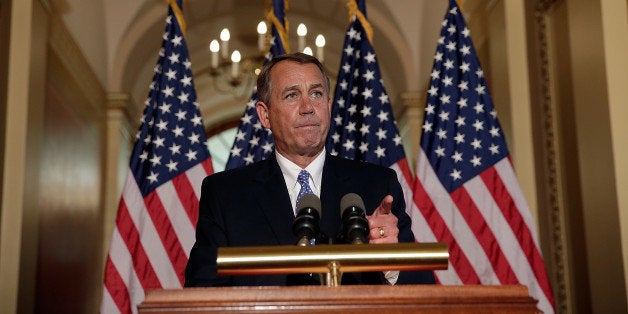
383,224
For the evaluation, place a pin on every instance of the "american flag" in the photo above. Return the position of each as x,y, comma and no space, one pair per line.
253,142
466,191
363,126
158,209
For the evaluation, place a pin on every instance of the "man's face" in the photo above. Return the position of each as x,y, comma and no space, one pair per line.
299,110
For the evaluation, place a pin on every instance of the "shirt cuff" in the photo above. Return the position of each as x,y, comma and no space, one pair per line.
391,276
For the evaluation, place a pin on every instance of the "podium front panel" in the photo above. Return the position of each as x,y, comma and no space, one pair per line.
342,299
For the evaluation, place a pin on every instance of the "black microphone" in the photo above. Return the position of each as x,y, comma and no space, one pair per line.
355,227
305,225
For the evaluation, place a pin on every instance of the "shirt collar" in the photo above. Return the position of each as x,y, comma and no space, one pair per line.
291,170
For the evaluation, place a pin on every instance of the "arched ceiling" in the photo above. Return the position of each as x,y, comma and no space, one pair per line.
137,51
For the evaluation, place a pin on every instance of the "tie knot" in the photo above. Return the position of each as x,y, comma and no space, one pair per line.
303,177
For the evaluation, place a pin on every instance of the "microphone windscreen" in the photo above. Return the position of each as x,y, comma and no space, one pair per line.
350,200
309,201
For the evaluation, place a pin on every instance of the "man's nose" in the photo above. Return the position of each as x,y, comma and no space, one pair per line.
307,106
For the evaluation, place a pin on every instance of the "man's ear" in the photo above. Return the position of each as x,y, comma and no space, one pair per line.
262,114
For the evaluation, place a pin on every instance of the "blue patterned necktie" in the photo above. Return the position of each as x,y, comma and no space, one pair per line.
304,181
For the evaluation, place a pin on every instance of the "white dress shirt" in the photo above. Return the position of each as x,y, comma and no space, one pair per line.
291,171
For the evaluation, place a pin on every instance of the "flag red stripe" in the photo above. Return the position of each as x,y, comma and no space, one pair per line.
208,166
141,263
405,169
404,176
457,257
116,287
484,235
186,195
504,201
167,234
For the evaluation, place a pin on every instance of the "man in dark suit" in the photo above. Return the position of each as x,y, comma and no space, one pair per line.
254,205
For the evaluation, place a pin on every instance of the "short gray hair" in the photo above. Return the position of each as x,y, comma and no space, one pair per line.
263,80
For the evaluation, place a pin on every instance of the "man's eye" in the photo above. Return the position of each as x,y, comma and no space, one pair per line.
317,94
291,96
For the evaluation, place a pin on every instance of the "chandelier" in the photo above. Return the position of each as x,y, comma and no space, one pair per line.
232,72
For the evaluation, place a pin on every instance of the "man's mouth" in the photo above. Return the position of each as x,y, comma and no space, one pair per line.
308,125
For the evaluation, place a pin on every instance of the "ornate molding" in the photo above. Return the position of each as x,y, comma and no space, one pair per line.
556,210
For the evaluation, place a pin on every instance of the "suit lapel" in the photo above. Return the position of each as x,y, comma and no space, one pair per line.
274,201
335,184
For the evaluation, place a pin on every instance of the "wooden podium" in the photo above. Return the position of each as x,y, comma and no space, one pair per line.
333,297
342,299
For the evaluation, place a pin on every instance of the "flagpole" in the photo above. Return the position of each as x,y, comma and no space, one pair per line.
283,31
354,11
179,15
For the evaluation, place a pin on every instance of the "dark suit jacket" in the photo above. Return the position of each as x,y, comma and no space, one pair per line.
250,206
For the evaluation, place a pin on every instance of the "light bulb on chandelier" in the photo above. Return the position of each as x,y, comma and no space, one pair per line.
235,66
224,38
261,38
301,32
320,47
